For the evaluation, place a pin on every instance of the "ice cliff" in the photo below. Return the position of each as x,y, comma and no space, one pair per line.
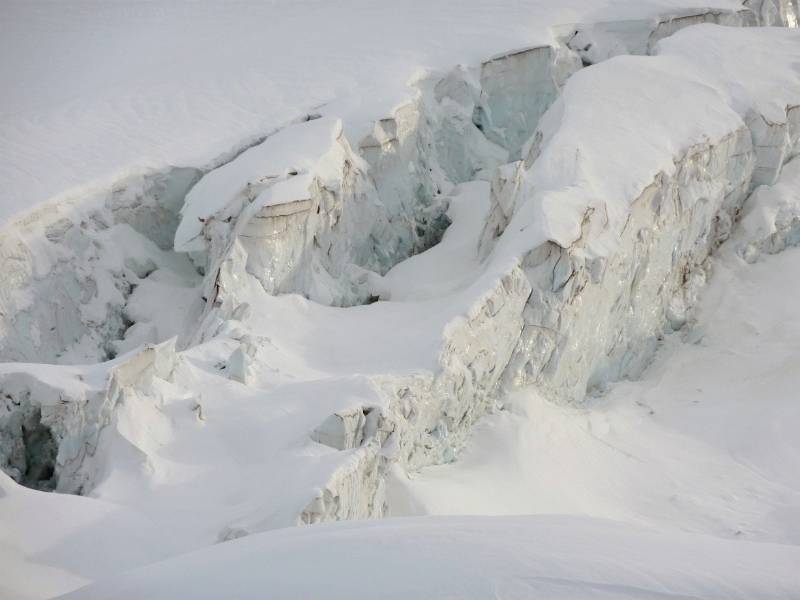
79,275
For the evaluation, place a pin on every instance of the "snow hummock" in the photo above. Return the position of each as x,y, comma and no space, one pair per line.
293,149
771,221
471,558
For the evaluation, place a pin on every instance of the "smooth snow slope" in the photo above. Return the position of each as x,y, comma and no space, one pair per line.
95,91
51,543
513,558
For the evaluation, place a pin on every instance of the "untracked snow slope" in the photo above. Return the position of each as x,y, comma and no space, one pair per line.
94,92
472,558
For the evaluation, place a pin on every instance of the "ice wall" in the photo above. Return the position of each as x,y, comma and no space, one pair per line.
78,275
617,267
53,417
596,317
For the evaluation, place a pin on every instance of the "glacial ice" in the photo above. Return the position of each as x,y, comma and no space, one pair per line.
80,275
672,209
57,415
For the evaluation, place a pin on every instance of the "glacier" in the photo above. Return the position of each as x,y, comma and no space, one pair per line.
333,307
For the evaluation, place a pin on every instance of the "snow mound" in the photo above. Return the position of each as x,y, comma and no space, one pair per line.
771,219
469,557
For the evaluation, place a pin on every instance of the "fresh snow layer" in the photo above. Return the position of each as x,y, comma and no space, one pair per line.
452,264
619,124
757,83
528,557
292,148
56,542
95,92
598,125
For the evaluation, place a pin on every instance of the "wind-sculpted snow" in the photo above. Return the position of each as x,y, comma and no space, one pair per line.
67,409
472,558
350,300
600,39
771,220
97,93
704,442
596,42
630,240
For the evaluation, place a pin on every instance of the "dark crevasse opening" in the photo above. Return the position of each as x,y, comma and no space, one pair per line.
31,460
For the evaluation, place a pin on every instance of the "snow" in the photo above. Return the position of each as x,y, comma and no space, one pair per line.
584,161
58,542
771,221
147,102
759,83
705,442
452,264
293,148
275,406
533,557
597,125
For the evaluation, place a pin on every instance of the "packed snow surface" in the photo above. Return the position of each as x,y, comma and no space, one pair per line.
562,299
